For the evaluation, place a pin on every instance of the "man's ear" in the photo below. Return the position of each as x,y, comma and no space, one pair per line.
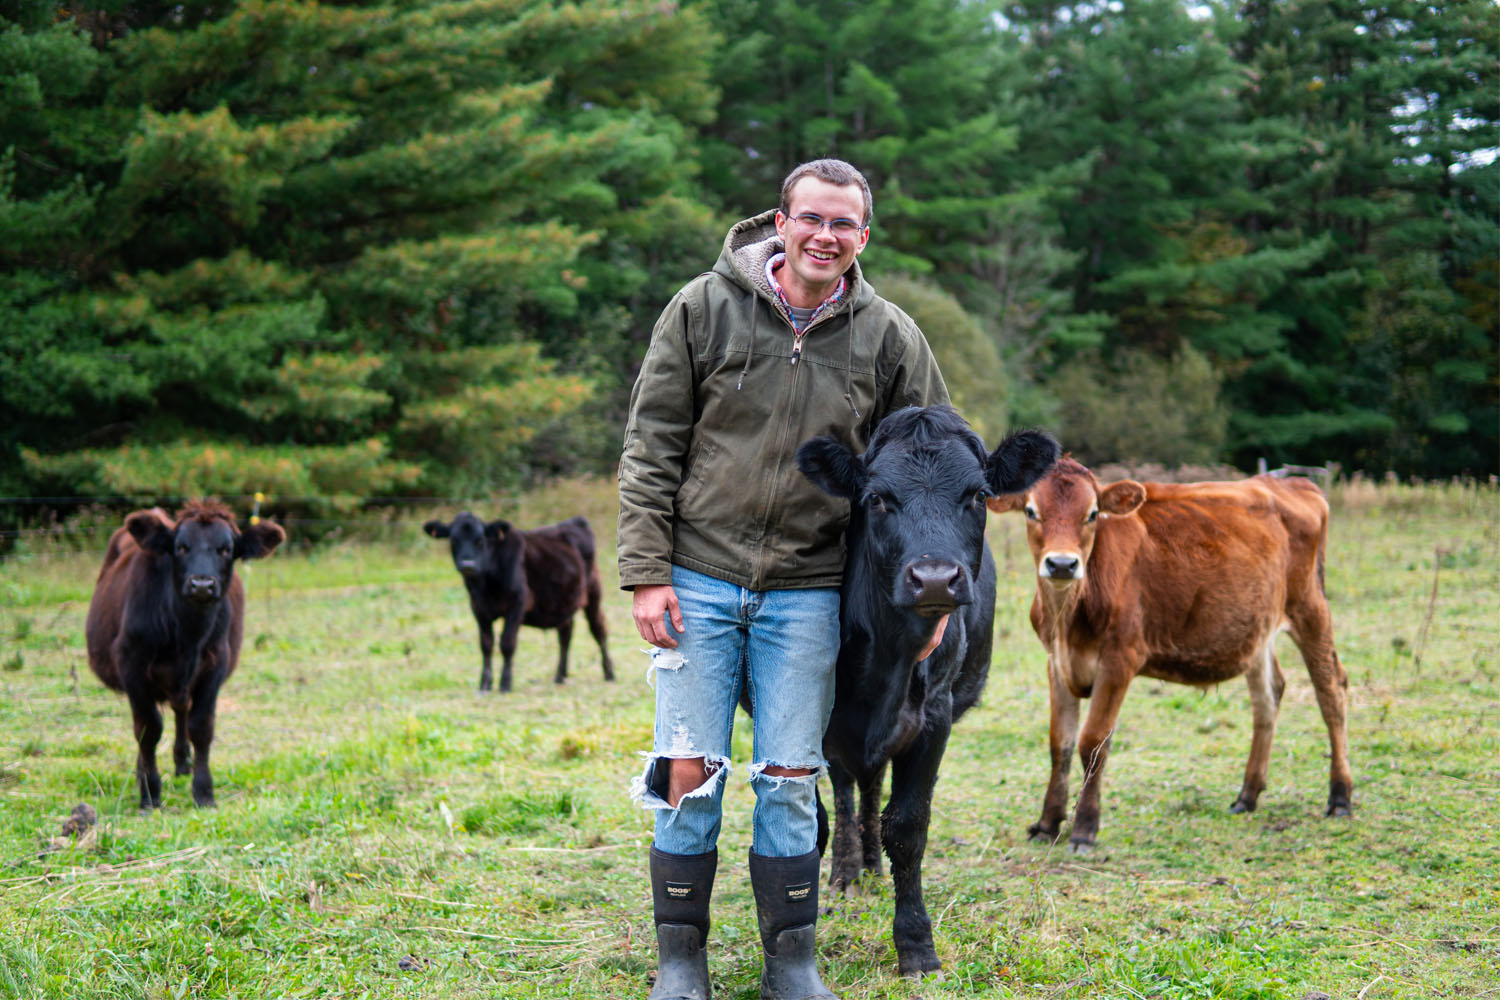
496,530
1022,458
1124,497
438,529
151,531
831,466
260,539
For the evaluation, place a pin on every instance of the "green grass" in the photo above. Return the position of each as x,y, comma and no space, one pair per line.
384,831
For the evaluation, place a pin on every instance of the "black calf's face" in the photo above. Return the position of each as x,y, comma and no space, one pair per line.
923,514
469,540
203,551
918,499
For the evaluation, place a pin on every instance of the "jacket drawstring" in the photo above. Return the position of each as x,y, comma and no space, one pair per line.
849,367
749,351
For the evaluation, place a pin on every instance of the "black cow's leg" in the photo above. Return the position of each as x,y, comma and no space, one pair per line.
200,725
147,719
904,831
843,870
508,647
564,640
869,819
486,650
181,756
594,612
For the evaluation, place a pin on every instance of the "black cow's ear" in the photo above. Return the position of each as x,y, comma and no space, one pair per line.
496,530
438,529
260,539
150,531
831,466
1022,458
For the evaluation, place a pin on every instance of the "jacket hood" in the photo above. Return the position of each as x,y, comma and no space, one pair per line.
753,241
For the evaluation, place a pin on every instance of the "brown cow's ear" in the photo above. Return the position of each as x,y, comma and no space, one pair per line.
438,529
151,531
1006,503
259,540
1124,497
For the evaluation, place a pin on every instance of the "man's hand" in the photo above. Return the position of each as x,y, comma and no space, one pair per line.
648,606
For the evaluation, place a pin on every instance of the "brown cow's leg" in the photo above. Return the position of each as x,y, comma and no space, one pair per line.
182,757
1266,682
594,612
1062,740
1312,630
1093,752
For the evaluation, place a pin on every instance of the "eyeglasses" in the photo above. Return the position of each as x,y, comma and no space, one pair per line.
809,223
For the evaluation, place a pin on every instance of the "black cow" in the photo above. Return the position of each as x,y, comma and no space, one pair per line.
165,625
917,561
538,578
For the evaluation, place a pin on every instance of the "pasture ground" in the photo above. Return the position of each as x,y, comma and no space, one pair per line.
384,831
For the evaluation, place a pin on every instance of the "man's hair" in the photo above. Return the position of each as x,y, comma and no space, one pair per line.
834,172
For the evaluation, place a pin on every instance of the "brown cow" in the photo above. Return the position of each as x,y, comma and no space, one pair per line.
165,625
1188,583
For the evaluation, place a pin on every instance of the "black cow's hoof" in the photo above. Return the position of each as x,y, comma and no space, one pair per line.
918,963
1081,846
184,768
1042,834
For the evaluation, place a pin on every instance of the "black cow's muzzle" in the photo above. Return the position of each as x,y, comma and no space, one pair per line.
201,588
935,587
469,567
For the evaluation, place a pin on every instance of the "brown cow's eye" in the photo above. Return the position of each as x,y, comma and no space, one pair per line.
1031,514
1093,516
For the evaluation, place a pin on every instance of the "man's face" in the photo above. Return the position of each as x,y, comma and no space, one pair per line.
816,260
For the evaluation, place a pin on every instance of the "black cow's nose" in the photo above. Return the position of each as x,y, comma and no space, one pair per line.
937,584
468,567
201,587
1062,567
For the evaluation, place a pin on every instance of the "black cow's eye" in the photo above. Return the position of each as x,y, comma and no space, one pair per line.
880,504
181,548
980,497
224,550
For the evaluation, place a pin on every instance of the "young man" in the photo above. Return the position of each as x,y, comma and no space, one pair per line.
735,558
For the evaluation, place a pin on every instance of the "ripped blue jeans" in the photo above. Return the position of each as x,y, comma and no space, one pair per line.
783,643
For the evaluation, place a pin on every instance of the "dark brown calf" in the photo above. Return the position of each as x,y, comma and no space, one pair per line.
539,578
165,625
1188,583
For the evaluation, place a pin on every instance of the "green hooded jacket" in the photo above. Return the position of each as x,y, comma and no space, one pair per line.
708,477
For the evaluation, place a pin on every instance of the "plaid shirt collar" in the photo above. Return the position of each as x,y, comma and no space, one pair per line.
774,264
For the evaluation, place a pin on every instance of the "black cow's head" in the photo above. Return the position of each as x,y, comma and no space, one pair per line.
918,496
469,540
203,542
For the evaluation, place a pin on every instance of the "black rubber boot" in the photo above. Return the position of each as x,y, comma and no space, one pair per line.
681,885
786,903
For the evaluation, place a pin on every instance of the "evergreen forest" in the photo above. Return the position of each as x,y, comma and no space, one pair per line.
364,249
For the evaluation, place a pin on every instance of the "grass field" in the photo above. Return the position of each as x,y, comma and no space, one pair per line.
384,831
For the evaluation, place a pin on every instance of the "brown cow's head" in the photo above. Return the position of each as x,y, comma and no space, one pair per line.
1062,514
203,543
469,539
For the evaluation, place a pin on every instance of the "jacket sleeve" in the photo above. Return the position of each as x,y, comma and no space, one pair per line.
658,432
914,379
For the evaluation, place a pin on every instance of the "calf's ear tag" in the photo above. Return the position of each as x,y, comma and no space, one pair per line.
680,890
798,893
